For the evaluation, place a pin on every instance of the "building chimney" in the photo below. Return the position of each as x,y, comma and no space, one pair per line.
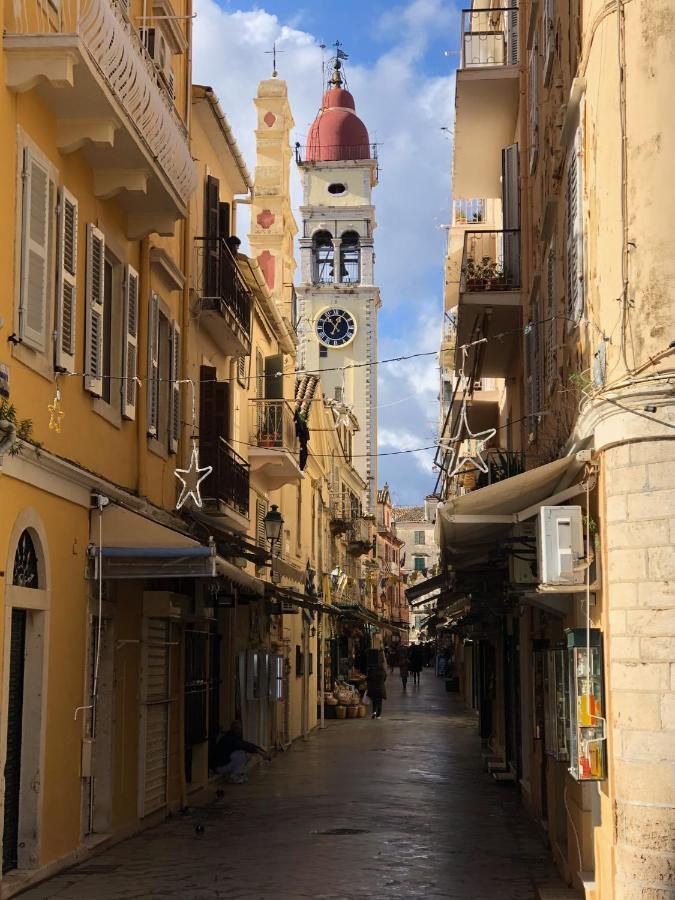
430,504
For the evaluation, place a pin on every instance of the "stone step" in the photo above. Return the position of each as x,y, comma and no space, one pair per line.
504,777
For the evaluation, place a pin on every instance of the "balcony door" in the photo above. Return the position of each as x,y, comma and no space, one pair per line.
511,215
214,423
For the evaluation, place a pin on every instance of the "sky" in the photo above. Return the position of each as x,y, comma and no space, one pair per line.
401,65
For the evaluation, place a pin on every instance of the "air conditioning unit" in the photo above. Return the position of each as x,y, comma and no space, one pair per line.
523,568
560,546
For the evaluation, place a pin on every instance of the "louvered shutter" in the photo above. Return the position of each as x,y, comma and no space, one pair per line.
512,30
66,289
260,513
157,703
174,394
551,350
153,365
274,381
224,213
130,352
533,107
574,234
212,233
34,253
534,361
95,299
208,429
241,370
511,214
548,39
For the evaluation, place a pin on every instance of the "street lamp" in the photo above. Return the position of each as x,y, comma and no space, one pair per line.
273,523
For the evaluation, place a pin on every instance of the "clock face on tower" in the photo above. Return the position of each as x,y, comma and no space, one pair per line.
335,327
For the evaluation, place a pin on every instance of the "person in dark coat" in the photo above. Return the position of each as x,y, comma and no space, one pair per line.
416,658
403,666
377,675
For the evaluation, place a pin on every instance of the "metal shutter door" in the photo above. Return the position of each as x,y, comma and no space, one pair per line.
156,750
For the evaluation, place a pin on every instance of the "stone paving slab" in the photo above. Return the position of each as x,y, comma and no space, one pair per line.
395,809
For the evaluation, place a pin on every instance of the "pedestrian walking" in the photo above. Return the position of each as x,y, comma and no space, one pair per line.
403,667
416,658
377,675
391,659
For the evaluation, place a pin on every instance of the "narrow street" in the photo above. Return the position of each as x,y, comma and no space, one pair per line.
374,810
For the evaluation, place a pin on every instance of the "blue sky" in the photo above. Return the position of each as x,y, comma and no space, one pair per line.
403,84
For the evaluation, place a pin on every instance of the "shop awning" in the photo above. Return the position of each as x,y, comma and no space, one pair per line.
469,526
249,583
295,598
426,587
128,545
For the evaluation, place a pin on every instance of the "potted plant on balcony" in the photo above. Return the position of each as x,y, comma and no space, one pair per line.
485,275
269,438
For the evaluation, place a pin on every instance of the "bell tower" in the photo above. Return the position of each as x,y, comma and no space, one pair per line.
338,299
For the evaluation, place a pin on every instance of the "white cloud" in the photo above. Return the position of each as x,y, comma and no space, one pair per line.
404,110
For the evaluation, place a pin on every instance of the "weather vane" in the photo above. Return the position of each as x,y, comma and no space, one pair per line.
273,52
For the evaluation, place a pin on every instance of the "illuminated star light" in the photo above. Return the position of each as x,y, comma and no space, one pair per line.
460,460
194,476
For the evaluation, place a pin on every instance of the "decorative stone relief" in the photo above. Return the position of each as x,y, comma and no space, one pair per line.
266,218
269,119
267,264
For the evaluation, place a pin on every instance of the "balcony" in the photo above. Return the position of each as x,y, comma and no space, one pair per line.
486,99
226,490
224,300
274,451
359,539
87,63
344,509
490,302
502,464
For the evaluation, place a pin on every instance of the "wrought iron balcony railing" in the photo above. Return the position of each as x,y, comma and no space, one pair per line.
469,212
220,285
273,425
331,153
489,37
231,478
501,464
491,261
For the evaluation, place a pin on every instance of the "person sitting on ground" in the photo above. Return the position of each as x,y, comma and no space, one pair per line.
232,753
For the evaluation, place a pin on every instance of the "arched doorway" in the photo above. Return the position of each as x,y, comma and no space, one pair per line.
25,620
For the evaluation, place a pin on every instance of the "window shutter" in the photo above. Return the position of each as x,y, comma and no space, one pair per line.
260,513
551,350
66,290
534,361
274,382
153,365
512,28
174,425
224,213
533,109
574,234
241,370
130,353
34,253
548,29
95,299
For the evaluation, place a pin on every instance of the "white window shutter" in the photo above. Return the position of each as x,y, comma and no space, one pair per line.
174,393
95,299
66,288
574,247
130,351
34,253
512,32
153,365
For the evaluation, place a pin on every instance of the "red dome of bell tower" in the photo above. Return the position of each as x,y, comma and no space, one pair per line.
337,133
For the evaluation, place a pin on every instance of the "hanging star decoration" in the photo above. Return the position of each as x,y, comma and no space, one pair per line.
194,475
464,433
56,413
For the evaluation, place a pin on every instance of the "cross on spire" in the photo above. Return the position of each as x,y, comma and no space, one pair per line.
273,52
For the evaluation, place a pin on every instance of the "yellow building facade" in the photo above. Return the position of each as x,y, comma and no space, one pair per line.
143,612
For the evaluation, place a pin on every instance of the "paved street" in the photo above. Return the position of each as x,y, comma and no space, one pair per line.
374,810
